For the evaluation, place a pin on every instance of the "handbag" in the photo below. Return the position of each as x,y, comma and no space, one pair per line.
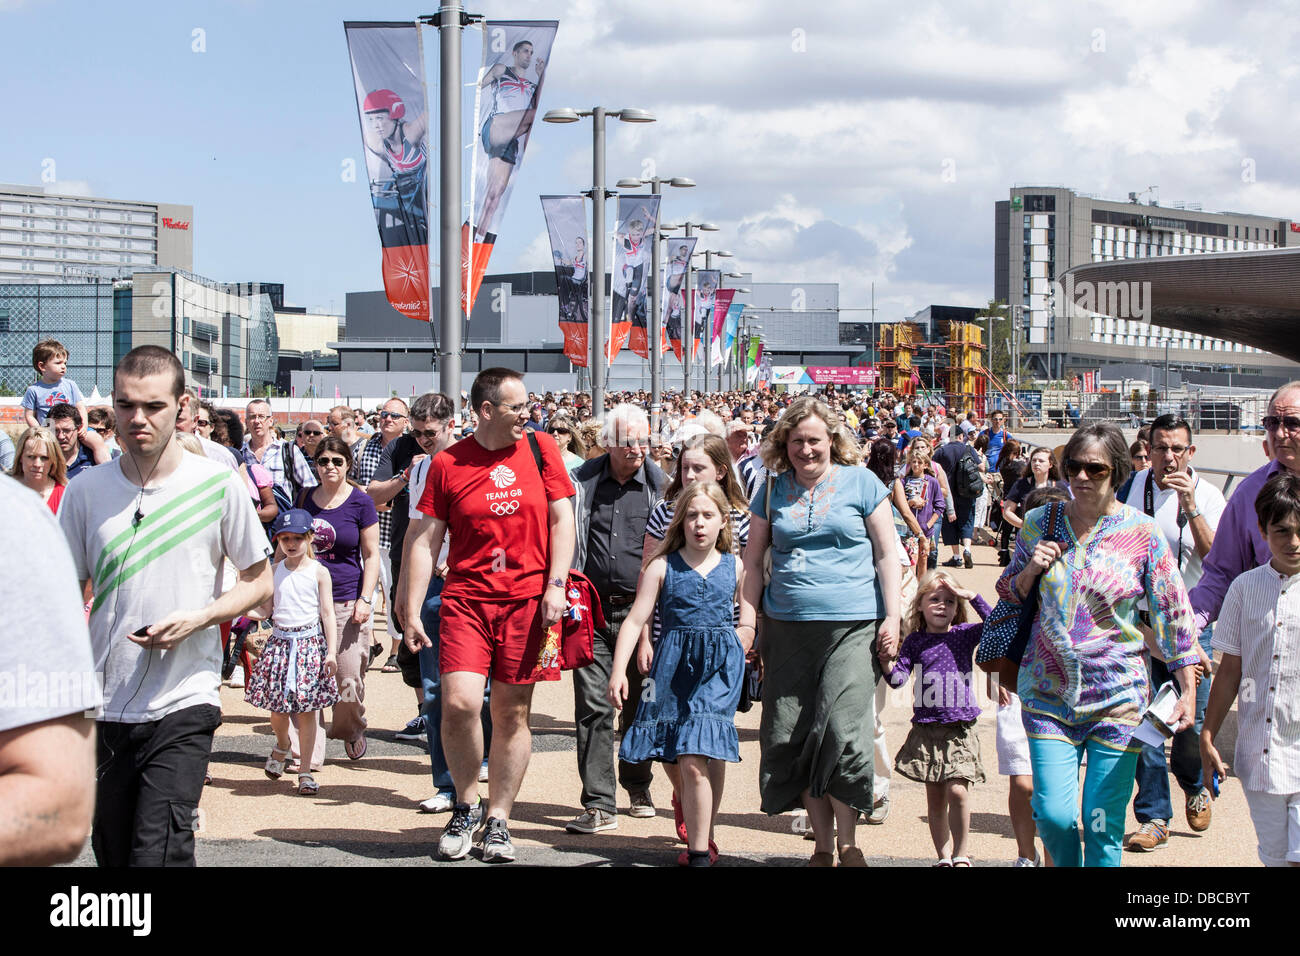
576,630
1007,629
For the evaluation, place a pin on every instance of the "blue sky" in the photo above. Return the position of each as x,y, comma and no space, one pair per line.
851,142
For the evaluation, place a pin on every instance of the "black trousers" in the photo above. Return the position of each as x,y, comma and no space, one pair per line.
594,719
150,781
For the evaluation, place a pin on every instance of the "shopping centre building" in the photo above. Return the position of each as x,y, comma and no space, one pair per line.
1043,231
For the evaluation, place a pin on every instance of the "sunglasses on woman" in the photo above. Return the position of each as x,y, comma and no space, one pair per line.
328,460
1093,469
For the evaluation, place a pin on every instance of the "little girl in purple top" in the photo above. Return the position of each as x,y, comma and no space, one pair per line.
942,750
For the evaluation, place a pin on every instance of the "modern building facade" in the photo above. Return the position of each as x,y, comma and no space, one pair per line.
515,323
46,237
1043,231
224,335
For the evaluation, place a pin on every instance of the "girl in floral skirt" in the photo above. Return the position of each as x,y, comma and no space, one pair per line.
295,674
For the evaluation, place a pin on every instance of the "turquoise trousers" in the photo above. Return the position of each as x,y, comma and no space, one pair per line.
1107,787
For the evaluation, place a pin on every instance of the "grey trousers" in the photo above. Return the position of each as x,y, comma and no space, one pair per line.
594,717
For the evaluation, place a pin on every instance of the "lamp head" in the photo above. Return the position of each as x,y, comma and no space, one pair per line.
563,115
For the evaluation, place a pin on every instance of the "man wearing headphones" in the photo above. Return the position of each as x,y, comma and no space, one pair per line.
150,531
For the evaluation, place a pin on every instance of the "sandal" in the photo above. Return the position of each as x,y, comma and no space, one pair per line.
355,749
390,665
961,861
946,862
275,765
307,785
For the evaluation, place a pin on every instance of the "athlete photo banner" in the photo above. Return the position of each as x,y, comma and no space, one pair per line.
676,262
516,54
388,73
706,290
566,222
634,232
721,303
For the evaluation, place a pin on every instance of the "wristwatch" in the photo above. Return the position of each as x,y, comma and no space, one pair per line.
556,583
364,598
1193,514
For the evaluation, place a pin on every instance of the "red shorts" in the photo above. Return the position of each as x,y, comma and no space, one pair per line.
500,639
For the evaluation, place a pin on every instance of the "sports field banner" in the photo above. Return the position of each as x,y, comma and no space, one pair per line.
677,262
388,74
706,290
515,56
566,223
634,232
721,303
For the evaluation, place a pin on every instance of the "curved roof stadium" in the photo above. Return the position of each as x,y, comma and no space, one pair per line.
1247,297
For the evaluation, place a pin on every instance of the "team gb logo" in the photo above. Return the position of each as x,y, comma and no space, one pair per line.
502,476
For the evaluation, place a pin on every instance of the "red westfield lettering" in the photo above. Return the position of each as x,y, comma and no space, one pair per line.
171,223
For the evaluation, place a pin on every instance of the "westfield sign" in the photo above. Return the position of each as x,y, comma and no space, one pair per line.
171,223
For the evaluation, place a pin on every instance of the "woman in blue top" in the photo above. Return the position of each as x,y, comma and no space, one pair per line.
834,591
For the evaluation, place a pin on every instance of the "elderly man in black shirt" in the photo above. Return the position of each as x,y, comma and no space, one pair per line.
615,495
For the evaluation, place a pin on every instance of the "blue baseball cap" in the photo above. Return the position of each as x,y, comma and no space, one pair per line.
294,521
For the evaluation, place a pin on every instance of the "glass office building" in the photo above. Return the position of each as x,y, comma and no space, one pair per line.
91,319
224,335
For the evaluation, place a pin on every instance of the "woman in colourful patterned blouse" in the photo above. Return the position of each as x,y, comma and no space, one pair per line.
1083,681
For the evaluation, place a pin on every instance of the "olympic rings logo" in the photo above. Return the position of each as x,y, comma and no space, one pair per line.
504,507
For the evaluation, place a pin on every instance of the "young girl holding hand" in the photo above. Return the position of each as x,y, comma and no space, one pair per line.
942,750
295,674
687,715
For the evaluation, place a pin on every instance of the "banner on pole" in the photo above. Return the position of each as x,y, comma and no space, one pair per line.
730,325
388,74
566,223
721,305
515,56
706,290
634,232
679,260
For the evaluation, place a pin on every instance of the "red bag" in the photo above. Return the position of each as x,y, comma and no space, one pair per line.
582,616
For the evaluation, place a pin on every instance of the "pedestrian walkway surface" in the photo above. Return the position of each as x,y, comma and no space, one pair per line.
365,813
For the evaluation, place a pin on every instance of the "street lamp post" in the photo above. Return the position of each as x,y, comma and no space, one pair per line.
596,331
656,360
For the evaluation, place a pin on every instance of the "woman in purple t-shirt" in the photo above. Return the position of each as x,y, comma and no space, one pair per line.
346,526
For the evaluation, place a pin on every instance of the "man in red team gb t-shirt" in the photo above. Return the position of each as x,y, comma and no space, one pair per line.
512,539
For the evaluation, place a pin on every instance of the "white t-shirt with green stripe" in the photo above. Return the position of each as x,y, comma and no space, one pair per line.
199,516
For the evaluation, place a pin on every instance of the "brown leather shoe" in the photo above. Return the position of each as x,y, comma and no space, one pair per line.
822,859
852,856
1199,811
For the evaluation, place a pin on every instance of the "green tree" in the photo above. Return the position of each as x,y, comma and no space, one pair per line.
1000,351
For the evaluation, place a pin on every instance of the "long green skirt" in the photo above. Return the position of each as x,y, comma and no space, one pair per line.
818,724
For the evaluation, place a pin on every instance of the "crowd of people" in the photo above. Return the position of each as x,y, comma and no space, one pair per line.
725,551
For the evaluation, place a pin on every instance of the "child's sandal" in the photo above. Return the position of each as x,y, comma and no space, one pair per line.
961,861
275,765
307,785
947,862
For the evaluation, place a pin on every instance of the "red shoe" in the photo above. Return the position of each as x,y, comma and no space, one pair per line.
713,853
679,819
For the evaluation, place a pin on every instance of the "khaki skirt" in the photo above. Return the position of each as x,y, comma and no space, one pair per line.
934,753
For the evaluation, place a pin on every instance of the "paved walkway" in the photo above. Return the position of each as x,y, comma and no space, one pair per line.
366,813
